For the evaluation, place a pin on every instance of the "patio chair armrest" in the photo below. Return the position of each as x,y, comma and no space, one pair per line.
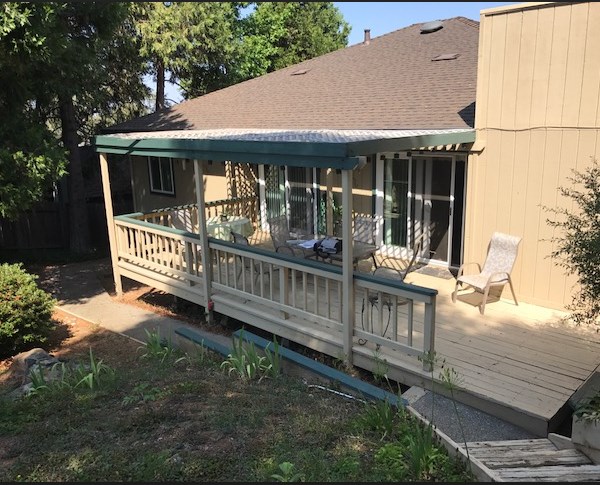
500,273
462,267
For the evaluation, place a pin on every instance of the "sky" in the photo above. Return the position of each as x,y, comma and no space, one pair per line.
384,17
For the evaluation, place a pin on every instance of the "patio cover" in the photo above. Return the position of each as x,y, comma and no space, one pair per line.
339,149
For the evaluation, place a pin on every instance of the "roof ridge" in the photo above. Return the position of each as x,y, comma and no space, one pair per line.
468,21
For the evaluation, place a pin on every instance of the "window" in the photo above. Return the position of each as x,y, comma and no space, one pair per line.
161,175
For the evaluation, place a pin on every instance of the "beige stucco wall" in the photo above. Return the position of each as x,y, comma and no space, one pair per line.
362,187
215,184
537,118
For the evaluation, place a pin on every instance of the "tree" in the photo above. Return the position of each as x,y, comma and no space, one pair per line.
68,68
577,246
187,40
279,34
31,159
202,47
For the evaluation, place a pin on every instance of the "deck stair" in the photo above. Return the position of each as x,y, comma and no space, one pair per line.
552,459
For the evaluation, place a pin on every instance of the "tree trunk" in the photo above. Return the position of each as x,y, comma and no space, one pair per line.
160,85
79,231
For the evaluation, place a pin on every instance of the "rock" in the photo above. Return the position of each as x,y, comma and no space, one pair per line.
23,363
26,360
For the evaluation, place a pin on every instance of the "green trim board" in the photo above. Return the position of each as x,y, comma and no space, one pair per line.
200,340
320,155
400,285
364,389
343,155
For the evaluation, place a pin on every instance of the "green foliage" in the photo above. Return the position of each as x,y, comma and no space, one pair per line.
160,349
193,43
27,172
452,381
288,473
379,416
91,376
94,374
25,309
588,409
143,392
245,361
577,245
279,34
411,453
66,69
205,46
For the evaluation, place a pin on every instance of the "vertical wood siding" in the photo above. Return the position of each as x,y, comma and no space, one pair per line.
537,112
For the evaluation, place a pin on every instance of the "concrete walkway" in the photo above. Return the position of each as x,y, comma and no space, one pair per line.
81,290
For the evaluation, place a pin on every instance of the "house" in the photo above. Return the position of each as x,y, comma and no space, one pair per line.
536,119
448,130
410,85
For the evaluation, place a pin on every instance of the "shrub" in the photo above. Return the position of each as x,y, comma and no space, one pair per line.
577,246
25,309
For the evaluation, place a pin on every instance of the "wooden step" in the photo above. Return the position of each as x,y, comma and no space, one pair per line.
532,460
559,473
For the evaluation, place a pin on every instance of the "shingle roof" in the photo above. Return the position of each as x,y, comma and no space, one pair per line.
390,83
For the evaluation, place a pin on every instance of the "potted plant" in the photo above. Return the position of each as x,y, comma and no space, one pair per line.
585,432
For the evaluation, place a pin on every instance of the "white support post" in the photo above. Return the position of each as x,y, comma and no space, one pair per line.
347,266
110,223
329,200
262,197
204,250
429,335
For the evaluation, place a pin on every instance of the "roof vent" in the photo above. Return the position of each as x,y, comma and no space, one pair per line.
429,27
299,72
367,37
445,57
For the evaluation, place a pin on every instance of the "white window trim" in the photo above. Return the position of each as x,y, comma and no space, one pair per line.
161,191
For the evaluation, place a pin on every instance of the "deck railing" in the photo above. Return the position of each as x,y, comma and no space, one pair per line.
293,286
295,292
165,250
185,217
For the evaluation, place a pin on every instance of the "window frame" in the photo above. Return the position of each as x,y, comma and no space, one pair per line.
152,183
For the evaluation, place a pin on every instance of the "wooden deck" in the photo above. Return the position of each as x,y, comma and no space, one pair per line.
514,358
519,363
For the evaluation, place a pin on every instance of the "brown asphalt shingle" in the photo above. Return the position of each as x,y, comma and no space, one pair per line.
391,83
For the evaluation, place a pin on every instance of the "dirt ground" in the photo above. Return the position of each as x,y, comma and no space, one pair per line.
71,340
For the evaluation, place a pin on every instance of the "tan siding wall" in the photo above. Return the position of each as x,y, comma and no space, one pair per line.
183,172
537,114
362,188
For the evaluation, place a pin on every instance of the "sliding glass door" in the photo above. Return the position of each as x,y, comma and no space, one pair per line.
420,197
291,191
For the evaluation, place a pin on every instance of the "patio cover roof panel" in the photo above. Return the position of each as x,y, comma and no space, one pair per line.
308,148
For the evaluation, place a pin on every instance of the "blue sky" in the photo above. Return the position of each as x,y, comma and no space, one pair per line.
384,17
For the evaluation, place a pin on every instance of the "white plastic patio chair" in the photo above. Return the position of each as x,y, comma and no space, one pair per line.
499,262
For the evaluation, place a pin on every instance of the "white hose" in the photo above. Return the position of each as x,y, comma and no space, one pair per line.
350,396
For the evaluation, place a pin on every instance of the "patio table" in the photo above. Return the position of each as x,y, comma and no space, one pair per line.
221,228
360,250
